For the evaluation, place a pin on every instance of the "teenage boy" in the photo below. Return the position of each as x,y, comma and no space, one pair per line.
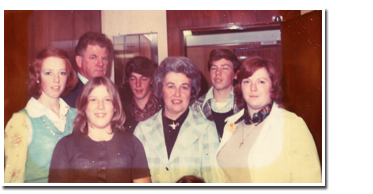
219,102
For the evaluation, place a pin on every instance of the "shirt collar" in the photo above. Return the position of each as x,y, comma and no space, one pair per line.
36,109
82,78
257,117
210,95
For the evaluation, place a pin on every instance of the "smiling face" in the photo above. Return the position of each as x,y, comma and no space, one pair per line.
140,86
256,90
100,109
222,74
176,93
94,62
53,77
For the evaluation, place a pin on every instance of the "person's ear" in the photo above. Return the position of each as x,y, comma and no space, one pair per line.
79,60
235,75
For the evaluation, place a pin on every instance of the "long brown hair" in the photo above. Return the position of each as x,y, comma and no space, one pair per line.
81,120
248,68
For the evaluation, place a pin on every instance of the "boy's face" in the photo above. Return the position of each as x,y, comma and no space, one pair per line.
140,85
222,74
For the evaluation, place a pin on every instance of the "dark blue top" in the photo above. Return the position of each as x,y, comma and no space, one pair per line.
79,159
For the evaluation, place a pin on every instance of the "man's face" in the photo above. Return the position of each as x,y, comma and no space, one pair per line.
94,62
222,74
140,85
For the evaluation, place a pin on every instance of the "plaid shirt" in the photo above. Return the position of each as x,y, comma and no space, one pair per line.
192,154
206,110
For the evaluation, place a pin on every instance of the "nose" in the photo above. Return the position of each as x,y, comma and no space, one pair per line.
177,92
101,104
218,71
56,78
100,62
138,83
253,87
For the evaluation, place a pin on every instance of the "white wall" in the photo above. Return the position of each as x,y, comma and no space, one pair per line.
120,22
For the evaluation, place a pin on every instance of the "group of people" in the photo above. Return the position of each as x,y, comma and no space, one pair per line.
78,128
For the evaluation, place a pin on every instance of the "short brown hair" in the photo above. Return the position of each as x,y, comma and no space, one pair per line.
94,38
34,87
81,120
218,54
248,68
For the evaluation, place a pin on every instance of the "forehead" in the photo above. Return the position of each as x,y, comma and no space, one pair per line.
133,74
96,49
222,62
100,90
260,73
53,62
173,77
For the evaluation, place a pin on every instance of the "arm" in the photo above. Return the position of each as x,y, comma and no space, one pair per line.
15,146
140,169
302,154
60,165
210,146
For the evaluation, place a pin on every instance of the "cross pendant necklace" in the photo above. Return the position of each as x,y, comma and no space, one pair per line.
173,125
240,144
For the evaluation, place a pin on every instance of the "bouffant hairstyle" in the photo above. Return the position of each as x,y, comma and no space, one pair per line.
140,65
81,120
94,38
248,68
218,54
34,84
178,65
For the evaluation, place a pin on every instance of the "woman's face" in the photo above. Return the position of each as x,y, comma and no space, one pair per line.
100,109
53,77
256,90
176,94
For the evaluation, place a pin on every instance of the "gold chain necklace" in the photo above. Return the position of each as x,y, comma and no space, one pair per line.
243,139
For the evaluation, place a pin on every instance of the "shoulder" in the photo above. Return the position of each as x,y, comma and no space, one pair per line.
18,121
199,102
197,119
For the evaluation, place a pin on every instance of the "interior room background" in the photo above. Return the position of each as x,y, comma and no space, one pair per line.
291,38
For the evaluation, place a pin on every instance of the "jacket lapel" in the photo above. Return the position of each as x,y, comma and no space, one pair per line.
154,135
189,132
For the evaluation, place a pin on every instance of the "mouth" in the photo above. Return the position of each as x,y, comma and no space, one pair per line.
100,115
56,88
138,91
176,102
218,80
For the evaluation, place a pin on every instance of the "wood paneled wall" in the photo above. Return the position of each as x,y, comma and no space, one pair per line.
302,70
178,20
16,59
26,33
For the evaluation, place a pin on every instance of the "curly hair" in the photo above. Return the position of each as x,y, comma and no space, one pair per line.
179,65
94,38
248,68
81,120
140,65
34,87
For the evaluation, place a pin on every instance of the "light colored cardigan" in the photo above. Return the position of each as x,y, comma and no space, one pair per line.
284,151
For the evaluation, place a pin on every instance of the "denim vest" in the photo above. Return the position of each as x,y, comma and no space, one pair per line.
44,138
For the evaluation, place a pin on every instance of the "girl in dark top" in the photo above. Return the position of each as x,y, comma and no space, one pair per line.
97,151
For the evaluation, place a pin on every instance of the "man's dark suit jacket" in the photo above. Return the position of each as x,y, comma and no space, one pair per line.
71,98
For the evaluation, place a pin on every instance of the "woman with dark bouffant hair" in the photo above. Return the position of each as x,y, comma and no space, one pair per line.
32,133
264,143
98,151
